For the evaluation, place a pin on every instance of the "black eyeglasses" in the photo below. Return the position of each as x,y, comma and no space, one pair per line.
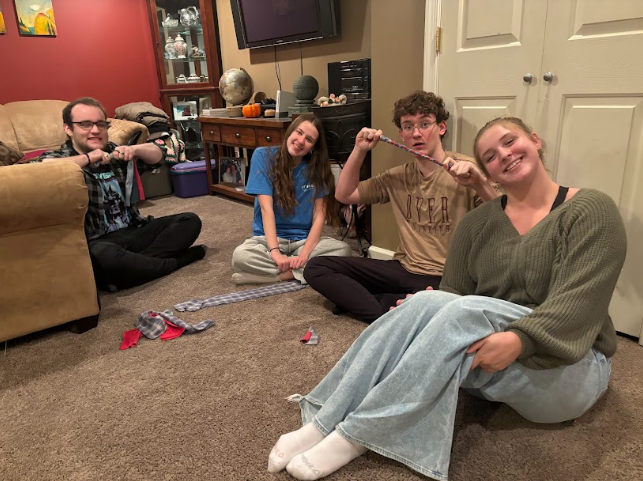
88,124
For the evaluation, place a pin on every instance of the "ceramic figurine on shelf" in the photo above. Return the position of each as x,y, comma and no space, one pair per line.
193,78
169,49
170,22
181,79
332,100
195,19
184,17
189,16
197,52
180,47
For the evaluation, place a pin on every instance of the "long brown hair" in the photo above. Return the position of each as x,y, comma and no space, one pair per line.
319,174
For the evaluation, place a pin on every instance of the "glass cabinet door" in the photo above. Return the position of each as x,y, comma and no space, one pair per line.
185,110
183,42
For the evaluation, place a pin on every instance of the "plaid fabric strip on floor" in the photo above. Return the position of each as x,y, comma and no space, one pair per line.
152,324
231,298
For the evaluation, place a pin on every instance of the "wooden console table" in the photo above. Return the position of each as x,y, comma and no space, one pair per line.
226,133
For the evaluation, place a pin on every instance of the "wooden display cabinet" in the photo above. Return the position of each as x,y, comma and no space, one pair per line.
189,76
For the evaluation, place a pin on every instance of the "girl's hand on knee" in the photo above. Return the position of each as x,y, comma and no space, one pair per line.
495,352
299,261
282,261
400,301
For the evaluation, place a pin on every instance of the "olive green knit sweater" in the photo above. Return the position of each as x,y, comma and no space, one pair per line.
565,268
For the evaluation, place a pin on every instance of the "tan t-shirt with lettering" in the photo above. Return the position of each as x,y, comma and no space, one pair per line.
426,210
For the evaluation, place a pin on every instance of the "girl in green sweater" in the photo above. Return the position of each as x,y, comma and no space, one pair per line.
521,317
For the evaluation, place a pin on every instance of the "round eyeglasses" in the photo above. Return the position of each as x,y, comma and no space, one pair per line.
421,126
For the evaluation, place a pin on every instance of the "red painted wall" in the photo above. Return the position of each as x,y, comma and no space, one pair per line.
103,49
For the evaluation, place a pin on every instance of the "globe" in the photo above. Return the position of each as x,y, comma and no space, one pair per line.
235,86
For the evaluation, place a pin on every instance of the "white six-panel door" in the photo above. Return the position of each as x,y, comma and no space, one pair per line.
487,50
585,98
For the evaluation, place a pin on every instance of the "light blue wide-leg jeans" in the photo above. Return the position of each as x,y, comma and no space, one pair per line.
395,390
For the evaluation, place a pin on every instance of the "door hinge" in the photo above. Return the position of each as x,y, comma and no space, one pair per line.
438,40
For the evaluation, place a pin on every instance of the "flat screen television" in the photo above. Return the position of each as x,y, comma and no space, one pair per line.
262,23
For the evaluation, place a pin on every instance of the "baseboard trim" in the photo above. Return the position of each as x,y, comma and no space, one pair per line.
380,253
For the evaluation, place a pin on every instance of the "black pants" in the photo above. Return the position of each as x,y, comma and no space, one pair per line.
367,288
135,255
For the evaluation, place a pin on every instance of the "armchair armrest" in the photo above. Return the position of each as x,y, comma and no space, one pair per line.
41,194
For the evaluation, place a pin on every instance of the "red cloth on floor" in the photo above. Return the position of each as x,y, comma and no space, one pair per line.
130,338
306,338
172,331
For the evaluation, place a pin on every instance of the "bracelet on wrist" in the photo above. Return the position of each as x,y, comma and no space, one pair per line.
270,250
89,161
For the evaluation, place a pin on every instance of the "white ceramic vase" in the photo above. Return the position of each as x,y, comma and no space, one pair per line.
180,47
169,49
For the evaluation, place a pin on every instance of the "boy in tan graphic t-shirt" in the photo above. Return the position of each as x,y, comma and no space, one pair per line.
428,202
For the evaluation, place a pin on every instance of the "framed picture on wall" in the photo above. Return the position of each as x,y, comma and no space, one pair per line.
185,110
35,18
3,30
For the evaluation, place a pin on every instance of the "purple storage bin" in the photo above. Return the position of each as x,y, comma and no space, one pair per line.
189,179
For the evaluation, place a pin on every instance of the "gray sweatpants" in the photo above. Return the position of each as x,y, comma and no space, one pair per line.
253,257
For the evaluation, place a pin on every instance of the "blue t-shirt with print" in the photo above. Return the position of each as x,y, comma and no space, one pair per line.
116,215
293,227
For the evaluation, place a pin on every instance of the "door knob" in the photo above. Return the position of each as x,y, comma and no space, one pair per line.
528,77
237,135
548,77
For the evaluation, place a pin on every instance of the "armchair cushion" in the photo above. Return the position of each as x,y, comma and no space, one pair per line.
8,155
38,124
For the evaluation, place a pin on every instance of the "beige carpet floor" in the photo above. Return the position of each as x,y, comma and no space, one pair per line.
209,406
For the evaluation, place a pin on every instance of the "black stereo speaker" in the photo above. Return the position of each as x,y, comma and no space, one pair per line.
351,78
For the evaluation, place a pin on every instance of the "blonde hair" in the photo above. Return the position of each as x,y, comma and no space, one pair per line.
508,121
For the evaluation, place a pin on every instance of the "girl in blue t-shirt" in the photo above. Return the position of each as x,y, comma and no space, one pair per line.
294,190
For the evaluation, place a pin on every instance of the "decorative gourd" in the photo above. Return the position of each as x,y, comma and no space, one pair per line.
251,110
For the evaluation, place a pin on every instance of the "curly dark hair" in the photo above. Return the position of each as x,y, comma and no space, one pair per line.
89,101
420,102
319,173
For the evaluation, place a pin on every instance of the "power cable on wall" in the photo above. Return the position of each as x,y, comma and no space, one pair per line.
277,72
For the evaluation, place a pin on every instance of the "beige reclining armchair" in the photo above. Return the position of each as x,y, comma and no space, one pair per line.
46,276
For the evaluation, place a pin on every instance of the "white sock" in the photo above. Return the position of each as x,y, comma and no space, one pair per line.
324,458
246,278
291,444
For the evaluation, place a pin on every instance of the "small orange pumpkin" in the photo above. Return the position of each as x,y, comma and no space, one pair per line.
251,110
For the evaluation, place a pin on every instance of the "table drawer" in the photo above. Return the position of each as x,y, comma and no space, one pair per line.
268,137
241,136
211,133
